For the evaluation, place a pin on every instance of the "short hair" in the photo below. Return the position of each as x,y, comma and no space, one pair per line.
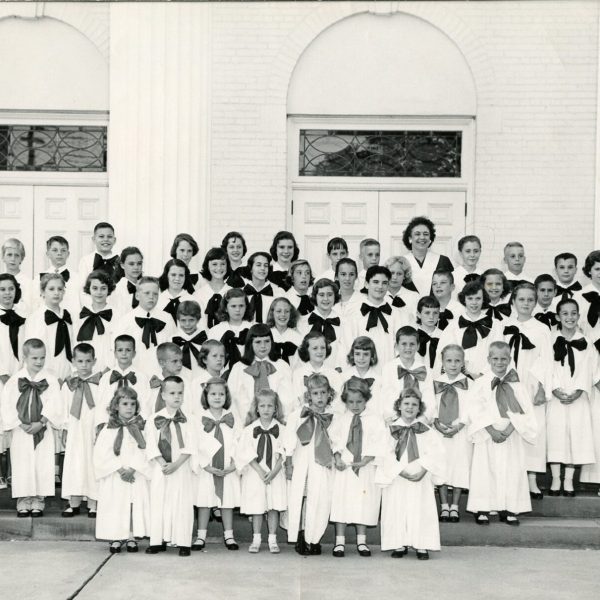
337,243
403,262
215,254
377,270
125,338
163,349
32,344
565,256
129,251
84,348
206,388
410,392
590,260
363,342
163,280
229,295
368,242
103,277
205,349
317,380
303,349
544,278
103,225
59,239
324,283
466,240
445,273
428,302
15,244
472,288
284,235
295,265
258,396
13,279
414,222
171,379
294,314
505,285
254,256
189,308
183,237
407,331
345,261
565,302
513,245
356,384
234,235
122,392
498,345
148,279
453,347
523,285
256,331
46,278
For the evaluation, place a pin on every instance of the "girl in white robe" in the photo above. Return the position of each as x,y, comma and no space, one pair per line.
123,474
498,289
215,271
174,281
189,336
259,291
13,254
211,361
283,320
301,279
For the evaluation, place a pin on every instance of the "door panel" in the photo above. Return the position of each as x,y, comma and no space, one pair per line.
16,219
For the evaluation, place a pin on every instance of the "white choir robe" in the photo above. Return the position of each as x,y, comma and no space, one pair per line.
408,509
78,471
267,300
196,388
391,387
410,299
522,276
102,343
569,430
241,386
535,367
163,300
29,295
356,498
218,332
171,496
499,470
145,357
121,299
86,263
32,468
295,298
35,327
538,310
305,369
422,275
205,495
354,325
591,473
593,332
73,290
123,508
458,449
460,273
337,358
196,368
9,362
289,335
256,497
348,306
310,480
375,403
204,294
328,274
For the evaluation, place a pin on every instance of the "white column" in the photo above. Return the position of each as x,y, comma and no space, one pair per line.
159,115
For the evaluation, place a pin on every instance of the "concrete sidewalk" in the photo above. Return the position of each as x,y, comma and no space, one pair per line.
83,570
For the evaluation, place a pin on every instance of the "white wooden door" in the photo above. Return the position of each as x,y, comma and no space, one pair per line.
16,219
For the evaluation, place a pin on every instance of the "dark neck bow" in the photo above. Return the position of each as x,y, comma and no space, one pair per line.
376,315
563,348
231,342
471,277
406,436
505,395
594,310
156,382
29,404
63,339
424,340
397,302
445,317
64,274
190,347
264,450
449,409
255,302
548,318
163,423
123,380
132,289
135,426
235,280
81,389
260,371
212,308
93,323
172,306
306,306
499,312
108,265
368,380
218,459
412,376
326,326
567,293
517,341
317,424
190,285
151,327
14,321
482,326
355,439
283,351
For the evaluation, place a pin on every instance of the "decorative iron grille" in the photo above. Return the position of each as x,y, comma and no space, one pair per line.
342,153
69,148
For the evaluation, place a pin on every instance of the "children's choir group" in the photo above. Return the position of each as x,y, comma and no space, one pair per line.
346,397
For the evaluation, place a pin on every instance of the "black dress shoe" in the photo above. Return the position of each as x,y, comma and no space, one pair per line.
569,494
363,550
70,511
156,549
115,547
231,544
399,553
338,551
553,492
198,545
132,546
314,549
91,514
21,514
536,495
184,551
301,547
502,516
36,513
482,518
422,555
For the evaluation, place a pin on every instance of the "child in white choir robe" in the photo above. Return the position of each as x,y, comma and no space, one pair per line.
216,482
283,320
469,248
498,289
472,329
337,248
123,474
545,311
123,374
215,271
259,457
502,424
259,291
53,325
565,267
568,417
173,282
130,269
589,297
428,315
184,248
514,258
407,370
256,372
531,345
95,321
171,449
413,465
13,254
313,353
309,467
212,364
233,326
32,407
356,441
284,250
443,290
81,397
326,319
189,336
300,280
235,246
103,257
346,273
452,409
369,255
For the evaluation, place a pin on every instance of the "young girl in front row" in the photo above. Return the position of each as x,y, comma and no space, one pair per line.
123,472
356,439
308,467
217,485
259,458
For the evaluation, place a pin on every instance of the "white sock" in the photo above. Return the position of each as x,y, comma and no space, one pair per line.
533,486
257,538
340,540
445,507
228,533
361,539
568,482
454,507
272,538
555,470
202,534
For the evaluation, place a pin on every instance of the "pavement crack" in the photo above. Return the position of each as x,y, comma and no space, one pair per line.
84,584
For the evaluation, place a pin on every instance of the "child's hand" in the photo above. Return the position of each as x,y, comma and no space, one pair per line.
26,427
4,379
269,477
497,436
289,470
440,426
214,471
414,476
169,468
540,396
127,474
570,398
35,427
340,465
229,469
451,432
64,437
